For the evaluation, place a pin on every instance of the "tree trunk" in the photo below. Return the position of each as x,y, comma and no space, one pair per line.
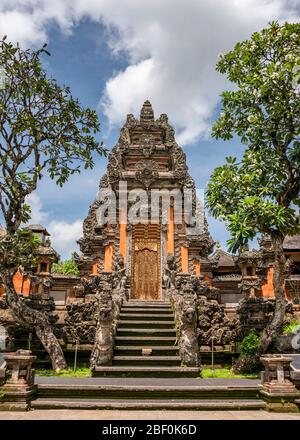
34,320
274,326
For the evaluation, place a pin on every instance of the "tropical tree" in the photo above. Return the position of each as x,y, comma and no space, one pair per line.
43,131
260,193
67,267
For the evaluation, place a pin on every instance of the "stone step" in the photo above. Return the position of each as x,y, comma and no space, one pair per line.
146,360
149,389
136,332
145,310
123,350
146,340
147,304
128,323
142,315
146,371
139,404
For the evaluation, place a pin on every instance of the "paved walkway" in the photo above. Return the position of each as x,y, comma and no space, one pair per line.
176,381
144,415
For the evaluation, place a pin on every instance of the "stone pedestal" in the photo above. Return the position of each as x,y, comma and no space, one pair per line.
276,388
18,389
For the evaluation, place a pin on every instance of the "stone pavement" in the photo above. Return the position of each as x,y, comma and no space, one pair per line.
176,381
144,415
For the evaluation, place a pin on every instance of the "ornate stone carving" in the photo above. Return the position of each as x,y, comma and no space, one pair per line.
248,287
124,138
104,337
189,348
213,322
147,173
179,163
104,182
162,122
170,272
115,166
120,278
80,322
41,284
147,145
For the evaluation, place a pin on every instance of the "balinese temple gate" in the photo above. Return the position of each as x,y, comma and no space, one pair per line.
147,157
152,294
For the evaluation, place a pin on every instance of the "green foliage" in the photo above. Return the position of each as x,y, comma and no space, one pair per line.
67,267
265,105
259,194
18,249
250,344
43,130
291,327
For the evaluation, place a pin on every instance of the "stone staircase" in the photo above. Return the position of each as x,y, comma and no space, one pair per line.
146,325
146,393
136,381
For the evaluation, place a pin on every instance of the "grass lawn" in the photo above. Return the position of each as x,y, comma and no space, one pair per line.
80,372
224,373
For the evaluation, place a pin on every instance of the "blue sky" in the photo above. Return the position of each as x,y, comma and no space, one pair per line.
114,55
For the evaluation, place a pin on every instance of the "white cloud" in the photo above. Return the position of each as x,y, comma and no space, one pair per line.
171,45
64,236
37,214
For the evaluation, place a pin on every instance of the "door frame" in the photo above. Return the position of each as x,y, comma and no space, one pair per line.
159,262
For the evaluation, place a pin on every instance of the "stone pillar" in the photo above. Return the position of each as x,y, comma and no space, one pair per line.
196,264
170,232
276,388
184,259
267,288
95,266
18,389
123,240
108,255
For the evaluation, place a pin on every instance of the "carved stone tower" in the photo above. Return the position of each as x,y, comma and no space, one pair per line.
147,158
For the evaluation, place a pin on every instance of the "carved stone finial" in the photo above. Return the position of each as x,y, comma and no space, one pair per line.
147,115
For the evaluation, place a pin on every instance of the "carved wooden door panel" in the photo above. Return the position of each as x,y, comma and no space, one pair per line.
145,280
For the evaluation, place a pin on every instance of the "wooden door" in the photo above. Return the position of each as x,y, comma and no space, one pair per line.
145,277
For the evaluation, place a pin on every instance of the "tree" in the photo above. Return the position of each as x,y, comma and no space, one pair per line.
43,130
260,194
67,267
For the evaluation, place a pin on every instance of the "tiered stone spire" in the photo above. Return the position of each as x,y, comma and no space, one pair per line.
147,115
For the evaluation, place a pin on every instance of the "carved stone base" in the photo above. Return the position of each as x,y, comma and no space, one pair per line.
277,389
279,400
282,407
274,388
16,398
